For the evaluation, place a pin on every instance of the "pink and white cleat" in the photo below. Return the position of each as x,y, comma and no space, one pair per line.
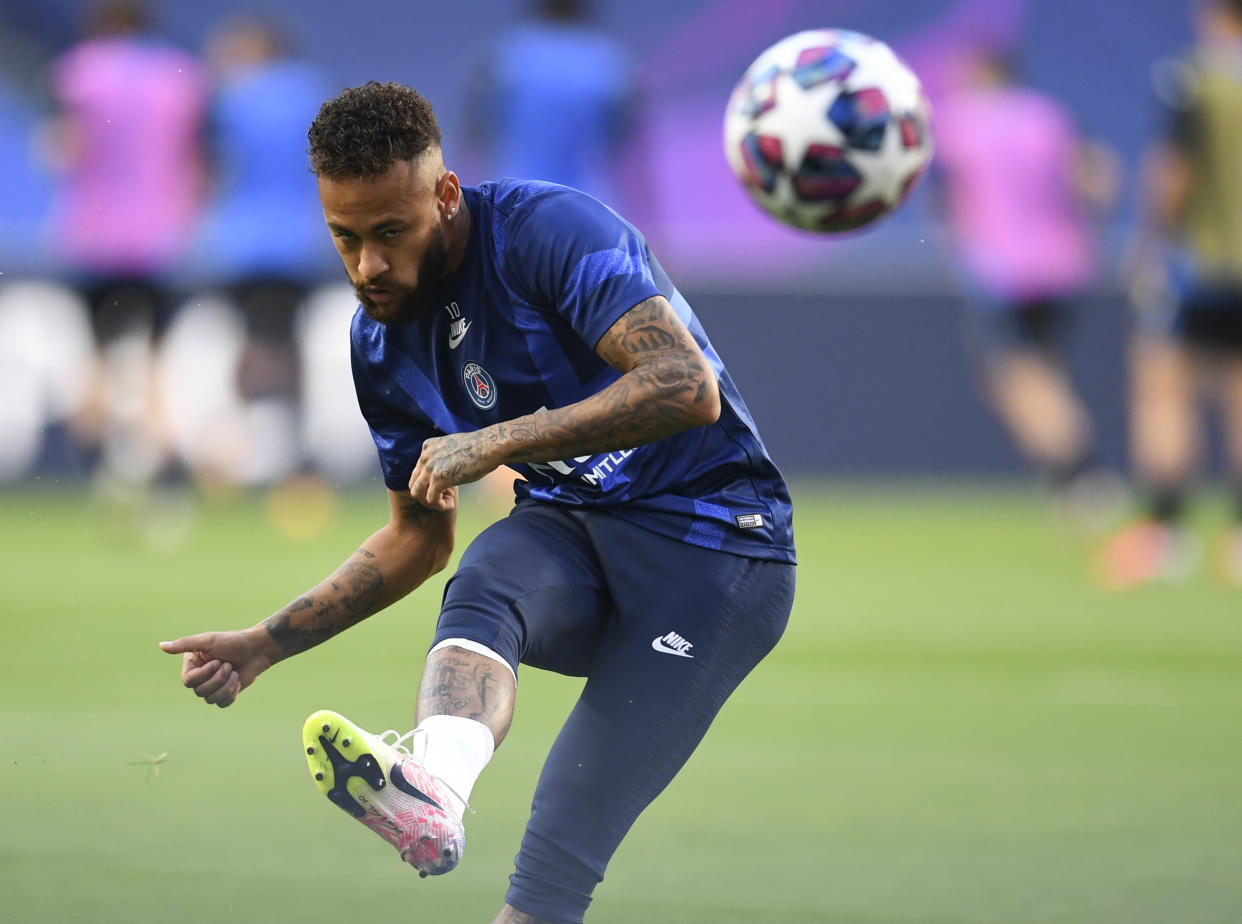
378,781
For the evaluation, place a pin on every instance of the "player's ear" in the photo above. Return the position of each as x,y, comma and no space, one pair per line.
448,194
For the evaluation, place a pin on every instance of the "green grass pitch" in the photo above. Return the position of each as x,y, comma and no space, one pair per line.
958,728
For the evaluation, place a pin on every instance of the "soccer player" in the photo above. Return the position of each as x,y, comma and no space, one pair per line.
555,97
650,548
128,151
1020,183
263,96
1187,289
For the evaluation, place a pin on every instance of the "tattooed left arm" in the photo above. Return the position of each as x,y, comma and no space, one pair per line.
667,385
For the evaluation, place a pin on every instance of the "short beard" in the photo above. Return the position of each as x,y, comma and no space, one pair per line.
412,304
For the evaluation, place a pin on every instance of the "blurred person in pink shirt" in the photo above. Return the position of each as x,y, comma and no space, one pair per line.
1019,185
127,146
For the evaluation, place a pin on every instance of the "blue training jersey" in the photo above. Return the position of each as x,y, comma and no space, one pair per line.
546,272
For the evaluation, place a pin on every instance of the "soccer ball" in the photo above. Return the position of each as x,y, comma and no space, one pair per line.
828,130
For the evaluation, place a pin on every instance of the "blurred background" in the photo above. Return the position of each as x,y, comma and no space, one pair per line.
965,723
826,323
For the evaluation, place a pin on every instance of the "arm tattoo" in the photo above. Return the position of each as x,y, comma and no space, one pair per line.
351,594
647,337
413,513
662,392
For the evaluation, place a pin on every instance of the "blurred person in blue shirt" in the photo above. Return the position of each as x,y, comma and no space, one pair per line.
263,97
554,100
27,191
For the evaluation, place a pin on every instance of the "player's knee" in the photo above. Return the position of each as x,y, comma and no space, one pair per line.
475,608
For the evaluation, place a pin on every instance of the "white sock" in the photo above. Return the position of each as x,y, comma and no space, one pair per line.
456,750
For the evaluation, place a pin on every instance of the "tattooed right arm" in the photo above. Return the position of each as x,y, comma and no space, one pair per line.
411,547
414,544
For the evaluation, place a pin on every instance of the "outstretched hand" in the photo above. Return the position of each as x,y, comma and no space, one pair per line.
217,666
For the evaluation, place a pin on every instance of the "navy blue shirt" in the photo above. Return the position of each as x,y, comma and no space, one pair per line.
546,272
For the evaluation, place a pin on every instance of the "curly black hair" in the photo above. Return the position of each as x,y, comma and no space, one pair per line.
367,129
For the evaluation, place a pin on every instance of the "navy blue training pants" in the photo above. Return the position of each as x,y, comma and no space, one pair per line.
663,631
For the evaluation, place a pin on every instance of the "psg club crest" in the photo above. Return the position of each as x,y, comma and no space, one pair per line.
480,386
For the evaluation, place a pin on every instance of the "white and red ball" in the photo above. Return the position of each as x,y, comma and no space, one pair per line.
828,130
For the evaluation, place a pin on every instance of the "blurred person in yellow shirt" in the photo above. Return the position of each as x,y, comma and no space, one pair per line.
1185,280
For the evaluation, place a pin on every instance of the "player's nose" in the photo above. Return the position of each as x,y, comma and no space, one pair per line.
371,263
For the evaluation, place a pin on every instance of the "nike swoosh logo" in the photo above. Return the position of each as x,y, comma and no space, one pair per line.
456,339
399,780
659,645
